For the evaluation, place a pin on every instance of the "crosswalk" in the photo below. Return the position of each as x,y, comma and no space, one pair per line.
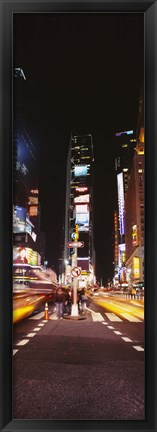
95,316
113,317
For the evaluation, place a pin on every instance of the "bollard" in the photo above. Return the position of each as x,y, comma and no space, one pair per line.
46,316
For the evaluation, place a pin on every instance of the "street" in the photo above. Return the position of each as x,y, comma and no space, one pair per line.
83,369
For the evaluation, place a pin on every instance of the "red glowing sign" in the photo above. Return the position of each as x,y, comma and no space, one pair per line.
81,189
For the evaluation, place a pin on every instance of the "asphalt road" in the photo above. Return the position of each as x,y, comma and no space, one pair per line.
66,369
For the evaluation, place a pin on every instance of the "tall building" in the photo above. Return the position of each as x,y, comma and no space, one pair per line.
28,240
125,143
134,205
79,207
134,210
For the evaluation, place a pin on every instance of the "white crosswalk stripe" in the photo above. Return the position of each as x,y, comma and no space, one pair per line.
23,342
138,348
112,317
31,334
37,317
126,339
130,317
96,316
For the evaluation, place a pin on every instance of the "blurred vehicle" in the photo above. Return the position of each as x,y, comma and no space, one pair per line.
34,277
95,293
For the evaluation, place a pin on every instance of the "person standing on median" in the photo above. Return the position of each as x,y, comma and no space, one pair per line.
59,302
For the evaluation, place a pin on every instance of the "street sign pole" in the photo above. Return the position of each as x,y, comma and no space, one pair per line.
74,308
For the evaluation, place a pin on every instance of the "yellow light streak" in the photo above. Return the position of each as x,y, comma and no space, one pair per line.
115,306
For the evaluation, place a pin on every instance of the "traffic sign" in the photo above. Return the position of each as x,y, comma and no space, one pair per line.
76,244
75,271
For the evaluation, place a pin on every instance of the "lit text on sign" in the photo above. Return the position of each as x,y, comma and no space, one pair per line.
75,244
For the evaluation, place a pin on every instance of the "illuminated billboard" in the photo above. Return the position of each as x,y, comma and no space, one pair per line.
129,132
82,218
80,170
81,208
121,254
121,202
19,219
22,255
135,235
83,228
33,211
33,200
136,267
81,188
82,199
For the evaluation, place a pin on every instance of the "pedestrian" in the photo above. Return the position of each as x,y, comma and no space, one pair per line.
68,302
59,302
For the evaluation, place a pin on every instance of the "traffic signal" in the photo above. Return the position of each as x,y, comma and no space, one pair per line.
76,229
76,232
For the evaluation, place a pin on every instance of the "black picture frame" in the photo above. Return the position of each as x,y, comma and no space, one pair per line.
149,8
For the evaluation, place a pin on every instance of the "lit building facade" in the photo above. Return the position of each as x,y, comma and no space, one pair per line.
116,238
134,210
79,209
125,149
28,240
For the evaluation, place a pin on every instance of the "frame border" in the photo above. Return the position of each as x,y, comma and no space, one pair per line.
149,9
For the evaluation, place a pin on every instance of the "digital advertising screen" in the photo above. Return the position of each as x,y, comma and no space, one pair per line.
80,170
19,219
120,185
82,218
22,255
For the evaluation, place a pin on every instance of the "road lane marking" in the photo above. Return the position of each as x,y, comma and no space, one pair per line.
112,317
23,342
138,348
37,317
31,334
103,322
36,329
40,325
126,339
118,332
110,327
97,317
15,351
130,318
44,320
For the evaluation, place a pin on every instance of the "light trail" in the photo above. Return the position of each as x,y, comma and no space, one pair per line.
121,307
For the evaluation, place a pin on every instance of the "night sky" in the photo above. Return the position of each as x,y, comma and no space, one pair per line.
83,75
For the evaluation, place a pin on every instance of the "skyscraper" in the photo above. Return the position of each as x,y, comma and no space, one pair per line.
26,224
79,207
125,148
134,210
